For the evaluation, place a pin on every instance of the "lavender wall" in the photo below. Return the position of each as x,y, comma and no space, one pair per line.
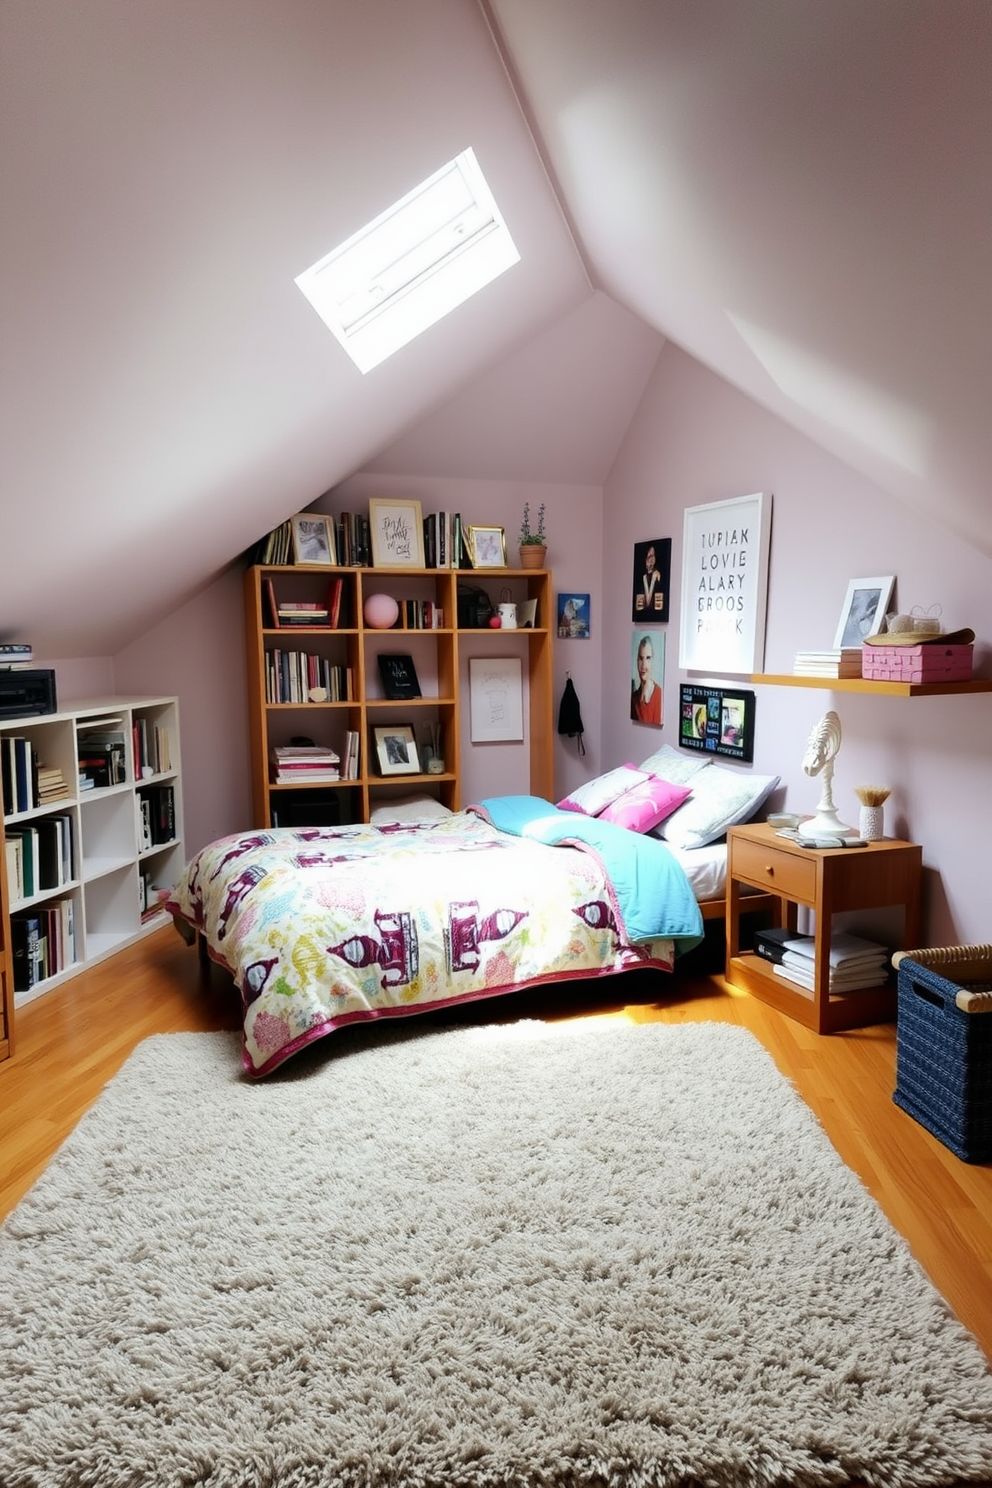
695,439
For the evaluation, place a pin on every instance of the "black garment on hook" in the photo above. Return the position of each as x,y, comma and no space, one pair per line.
570,714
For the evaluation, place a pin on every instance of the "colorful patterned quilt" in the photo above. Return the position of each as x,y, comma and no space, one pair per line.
322,927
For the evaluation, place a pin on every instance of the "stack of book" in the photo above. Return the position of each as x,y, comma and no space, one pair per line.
855,963
843,662
304,764
16,655
291,613
51,784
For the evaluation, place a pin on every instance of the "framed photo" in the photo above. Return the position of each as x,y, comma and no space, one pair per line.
396,750
487,547
717,720
313,539
652,581
399,676
647,670
725,584
573,617
865,607
397,529
495,685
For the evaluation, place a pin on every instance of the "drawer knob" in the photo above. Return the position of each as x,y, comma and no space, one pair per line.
769,869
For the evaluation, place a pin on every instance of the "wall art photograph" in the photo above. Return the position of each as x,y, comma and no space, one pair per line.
573,617
717,720
647,666
725,584
652,581
865,606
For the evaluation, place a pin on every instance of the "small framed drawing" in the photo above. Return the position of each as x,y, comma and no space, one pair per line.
396,750
495,685
487,546
865,606
399,676
397,529
313,539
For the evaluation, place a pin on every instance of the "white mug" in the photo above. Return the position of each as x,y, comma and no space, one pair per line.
508,617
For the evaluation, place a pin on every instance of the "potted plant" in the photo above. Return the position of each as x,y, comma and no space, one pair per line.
533,543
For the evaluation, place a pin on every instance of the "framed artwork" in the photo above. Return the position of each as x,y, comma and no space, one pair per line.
496,696
313,539
487,547
725,584
717,720
647,670
397,529
865,606
396,750
573,617
399,676
652,581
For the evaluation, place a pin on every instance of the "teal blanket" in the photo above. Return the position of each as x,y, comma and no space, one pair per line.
652,893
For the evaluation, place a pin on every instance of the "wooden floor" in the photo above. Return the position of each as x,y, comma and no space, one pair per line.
69,1042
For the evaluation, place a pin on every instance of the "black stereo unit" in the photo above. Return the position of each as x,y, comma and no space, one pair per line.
27,692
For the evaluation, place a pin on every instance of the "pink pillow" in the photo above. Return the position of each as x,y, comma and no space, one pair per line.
645,805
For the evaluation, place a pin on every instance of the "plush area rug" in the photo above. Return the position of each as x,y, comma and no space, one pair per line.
590,1253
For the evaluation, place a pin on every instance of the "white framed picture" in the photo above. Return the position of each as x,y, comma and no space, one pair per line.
397,529
313,539
865,606
496,695
725,585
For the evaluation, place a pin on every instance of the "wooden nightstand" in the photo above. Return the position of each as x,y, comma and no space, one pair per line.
828,881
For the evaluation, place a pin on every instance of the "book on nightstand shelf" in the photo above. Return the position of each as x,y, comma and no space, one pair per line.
854,962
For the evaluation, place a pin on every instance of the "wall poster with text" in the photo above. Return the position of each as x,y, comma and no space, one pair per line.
717,720
725,584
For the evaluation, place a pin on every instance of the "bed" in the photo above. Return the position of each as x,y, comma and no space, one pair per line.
322,927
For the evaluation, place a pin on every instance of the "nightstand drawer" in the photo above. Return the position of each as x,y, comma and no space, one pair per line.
777,871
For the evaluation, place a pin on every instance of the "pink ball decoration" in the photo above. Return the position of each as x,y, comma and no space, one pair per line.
380,611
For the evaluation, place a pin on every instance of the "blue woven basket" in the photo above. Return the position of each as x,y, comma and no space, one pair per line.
944,1054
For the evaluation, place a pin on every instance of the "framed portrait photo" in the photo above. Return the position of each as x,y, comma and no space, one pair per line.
650,596
397,529
487,546
396,750
313,539
865,606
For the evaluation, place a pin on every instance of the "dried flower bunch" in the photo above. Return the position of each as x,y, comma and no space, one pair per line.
536,538
872,795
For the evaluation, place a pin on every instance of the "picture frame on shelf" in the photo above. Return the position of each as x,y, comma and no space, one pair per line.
396,749
397,532
399,676
866,604
313,540
487,547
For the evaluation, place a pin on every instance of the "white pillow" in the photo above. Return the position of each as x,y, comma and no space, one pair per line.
408,809
720,799
593,797
675,767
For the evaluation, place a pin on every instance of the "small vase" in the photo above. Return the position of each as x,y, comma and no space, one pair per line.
870,823
532,555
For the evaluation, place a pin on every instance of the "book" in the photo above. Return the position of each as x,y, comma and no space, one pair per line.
855,982
399,676
844,948
334,590
25,945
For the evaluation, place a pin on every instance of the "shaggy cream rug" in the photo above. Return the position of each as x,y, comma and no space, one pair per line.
579,1254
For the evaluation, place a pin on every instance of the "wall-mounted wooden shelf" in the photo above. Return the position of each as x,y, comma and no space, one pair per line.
886,689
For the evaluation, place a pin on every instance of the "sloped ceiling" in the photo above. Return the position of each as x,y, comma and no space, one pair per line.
795,191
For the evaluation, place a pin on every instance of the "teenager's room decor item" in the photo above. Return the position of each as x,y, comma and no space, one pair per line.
573,617
380,611
871,822
652,581
399,676
570,714
397,529
496,699
821,751
487,547
724,584
396,750
647,666
717,720
865,606
313,539
532,543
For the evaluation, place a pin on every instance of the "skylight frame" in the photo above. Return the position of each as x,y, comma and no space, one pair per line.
413,264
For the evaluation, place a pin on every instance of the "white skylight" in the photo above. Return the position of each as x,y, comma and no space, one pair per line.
423,257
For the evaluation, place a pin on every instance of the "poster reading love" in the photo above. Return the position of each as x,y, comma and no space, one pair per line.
725,584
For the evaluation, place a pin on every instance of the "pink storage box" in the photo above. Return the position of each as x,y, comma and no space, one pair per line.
930,663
